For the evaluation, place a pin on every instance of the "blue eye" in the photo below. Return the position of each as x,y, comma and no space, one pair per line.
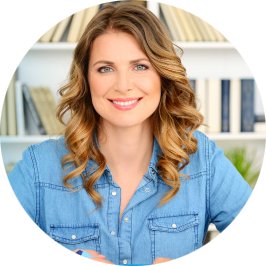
104,69
141,67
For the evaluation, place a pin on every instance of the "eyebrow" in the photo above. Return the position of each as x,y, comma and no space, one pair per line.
112,63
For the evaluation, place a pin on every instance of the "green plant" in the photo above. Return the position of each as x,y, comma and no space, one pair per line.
244,164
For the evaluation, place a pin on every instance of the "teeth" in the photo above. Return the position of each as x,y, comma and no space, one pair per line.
125,103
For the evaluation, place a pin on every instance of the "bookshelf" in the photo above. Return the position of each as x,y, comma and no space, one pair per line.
201,59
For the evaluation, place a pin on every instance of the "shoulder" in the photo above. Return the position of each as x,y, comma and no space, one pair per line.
45,159
200,160
50,147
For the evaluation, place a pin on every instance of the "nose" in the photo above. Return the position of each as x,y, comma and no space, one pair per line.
123,82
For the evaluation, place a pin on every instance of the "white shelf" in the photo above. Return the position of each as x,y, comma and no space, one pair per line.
239,136
220,136
39,46
205,45
53,46
25,139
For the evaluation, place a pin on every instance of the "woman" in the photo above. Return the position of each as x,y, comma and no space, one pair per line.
144,183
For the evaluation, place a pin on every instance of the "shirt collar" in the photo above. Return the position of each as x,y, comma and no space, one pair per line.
152,172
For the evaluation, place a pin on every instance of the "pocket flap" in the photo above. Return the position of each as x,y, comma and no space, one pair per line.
74,234
173,222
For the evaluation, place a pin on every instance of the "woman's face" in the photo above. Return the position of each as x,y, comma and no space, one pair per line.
125,87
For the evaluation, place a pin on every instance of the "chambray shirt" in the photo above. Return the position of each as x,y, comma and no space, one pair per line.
215,192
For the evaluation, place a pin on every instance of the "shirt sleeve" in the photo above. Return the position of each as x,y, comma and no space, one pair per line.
229,191
17,204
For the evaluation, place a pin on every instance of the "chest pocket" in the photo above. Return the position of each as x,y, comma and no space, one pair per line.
173,235
77,236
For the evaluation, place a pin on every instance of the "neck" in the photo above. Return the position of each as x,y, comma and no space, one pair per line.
127,149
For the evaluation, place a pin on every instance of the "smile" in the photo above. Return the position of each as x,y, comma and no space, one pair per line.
125,104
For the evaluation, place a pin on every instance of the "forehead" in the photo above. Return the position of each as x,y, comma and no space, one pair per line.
115,45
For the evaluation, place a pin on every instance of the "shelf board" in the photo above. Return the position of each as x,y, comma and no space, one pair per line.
237,136
218,136
205,45
184,45
53,46
25,139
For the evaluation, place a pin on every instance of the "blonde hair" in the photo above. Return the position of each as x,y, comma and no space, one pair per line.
174,121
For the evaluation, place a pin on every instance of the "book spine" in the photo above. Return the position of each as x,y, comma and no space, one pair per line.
225,105
11,109
247,105
32,109
260,118
20,109
3,101
235,106
192,83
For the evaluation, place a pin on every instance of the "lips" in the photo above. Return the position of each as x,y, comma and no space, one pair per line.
125,103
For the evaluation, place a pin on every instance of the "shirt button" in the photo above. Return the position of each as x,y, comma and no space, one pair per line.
74,237
114,193
124,261
147,189
126,220
152,172
113,233
173,225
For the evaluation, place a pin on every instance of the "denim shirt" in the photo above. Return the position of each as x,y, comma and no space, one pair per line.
214,192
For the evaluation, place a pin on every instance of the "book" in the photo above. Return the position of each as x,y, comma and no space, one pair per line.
214,105
2,21
42,20
260,127
259,118
11,108
3,100
192,83
42,108
196,32
182,16
89,13
32,110
247,105
225,126
75,26
13,20
201,28
60,29
55,126
178,24
201,101
171,22
53,21
20,109
235,106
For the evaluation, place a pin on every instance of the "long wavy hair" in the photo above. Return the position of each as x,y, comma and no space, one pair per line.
173,122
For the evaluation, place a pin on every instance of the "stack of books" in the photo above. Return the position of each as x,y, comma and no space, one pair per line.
215,20
29,110
70,17
228,105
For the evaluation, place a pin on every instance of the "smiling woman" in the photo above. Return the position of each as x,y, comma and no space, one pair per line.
145,183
